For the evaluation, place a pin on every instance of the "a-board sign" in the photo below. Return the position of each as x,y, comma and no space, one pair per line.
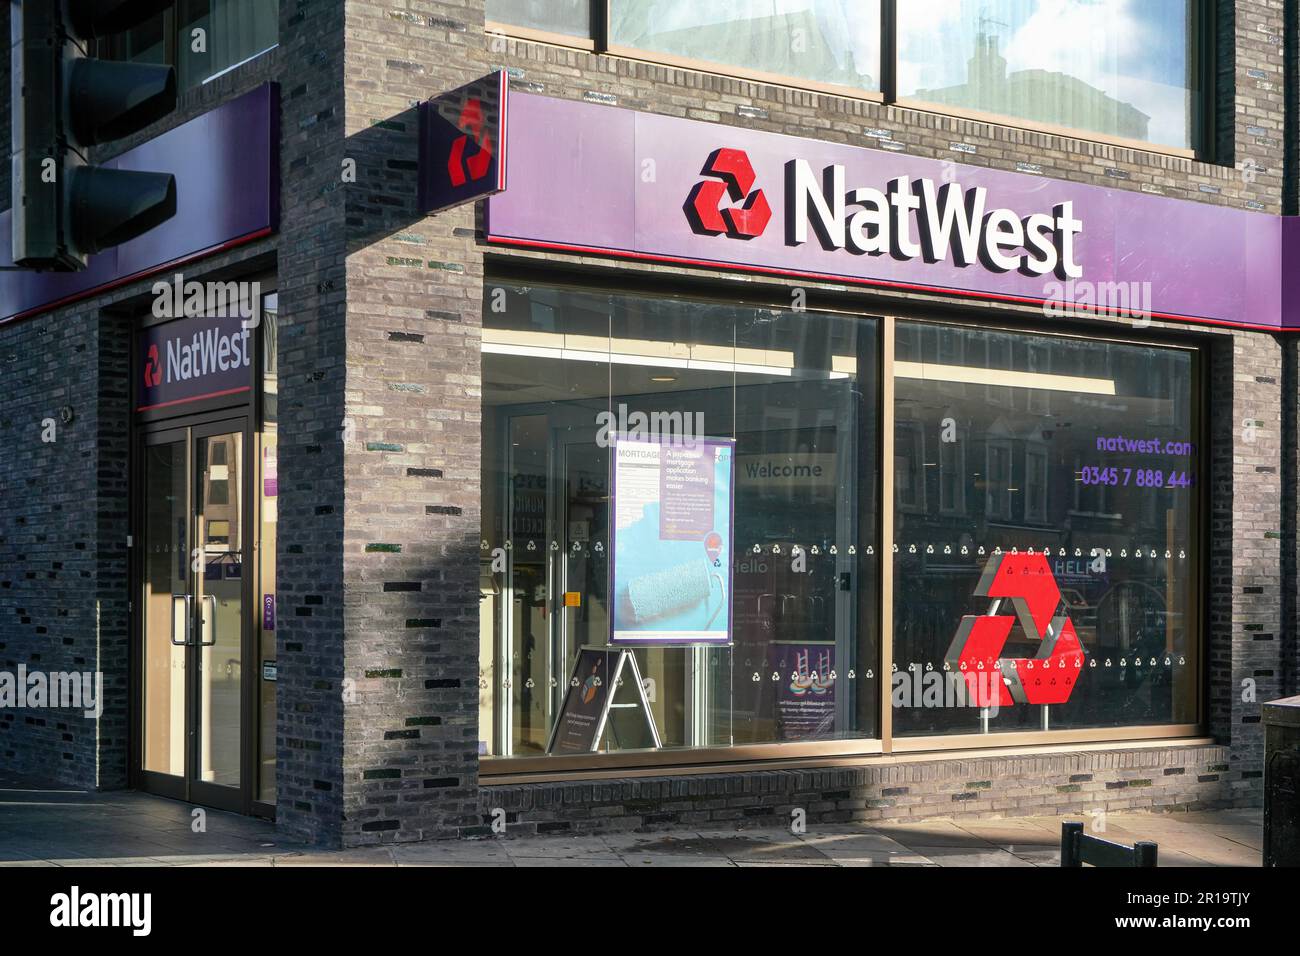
582,718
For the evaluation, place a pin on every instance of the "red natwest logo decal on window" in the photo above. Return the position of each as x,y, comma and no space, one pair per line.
733,178
471,120
1048,677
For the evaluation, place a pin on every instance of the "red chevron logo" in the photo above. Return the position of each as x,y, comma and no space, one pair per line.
1049,677
732,179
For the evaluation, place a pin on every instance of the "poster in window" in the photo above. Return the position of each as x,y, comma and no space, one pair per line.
805,701
670,579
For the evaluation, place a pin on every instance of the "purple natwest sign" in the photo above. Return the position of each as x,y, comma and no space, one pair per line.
192,359
226,164
586,178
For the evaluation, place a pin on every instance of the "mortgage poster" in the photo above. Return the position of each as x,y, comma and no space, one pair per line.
673,542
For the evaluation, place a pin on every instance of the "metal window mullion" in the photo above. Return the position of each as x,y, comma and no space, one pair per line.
889,52
600,20
887,330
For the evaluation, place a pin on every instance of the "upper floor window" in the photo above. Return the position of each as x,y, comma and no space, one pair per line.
835,42
202,38
567,17
1118,70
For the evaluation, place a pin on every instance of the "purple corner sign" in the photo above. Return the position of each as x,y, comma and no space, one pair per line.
592,179
463,143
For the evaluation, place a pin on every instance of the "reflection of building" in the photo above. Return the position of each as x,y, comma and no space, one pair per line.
787,44
1043,96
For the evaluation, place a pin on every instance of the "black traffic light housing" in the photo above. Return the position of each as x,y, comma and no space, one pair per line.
63,103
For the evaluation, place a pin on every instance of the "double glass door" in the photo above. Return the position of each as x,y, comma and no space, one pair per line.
196,569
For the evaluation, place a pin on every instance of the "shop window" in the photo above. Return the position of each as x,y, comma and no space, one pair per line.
832,42
1126,70
793,400
1092,513
202,38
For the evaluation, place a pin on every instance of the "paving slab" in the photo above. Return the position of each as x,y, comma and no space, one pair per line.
49,826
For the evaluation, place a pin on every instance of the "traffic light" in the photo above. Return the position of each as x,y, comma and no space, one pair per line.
64,102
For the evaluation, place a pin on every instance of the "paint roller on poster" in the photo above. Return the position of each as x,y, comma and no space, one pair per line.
670,578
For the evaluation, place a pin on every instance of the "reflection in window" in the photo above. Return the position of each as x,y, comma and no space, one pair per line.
798,394
1090,463
570,17
1115,67
201,38
215,35
826,41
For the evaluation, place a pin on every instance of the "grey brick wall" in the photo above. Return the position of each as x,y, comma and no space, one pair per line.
312,381
1156,779
63,528
414,288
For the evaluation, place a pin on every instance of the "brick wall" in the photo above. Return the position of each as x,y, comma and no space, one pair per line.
414,288
312,382
1169,778
63,528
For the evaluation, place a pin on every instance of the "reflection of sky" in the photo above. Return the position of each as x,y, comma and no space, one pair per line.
846,25
1133,50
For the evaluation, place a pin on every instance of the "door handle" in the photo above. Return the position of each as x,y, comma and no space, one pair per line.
186,600
208,600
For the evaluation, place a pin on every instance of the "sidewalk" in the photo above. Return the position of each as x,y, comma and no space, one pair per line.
44,827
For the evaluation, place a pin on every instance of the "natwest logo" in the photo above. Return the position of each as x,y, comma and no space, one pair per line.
198,355
733,179
459,168
1048,677
911,218
152,368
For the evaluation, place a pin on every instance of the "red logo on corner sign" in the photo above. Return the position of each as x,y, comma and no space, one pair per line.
460,168
1049,677
152,369
732,178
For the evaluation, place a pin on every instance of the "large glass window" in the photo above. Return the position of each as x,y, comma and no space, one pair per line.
1123,68
1115,68
215,35
1046,529
824,41
202,38
797,393
569,17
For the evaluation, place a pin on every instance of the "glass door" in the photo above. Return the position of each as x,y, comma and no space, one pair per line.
195,570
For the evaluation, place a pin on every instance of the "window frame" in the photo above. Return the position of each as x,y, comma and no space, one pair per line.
503,769
1201,50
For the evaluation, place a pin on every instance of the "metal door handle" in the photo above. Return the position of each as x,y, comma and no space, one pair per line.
201,642
187,599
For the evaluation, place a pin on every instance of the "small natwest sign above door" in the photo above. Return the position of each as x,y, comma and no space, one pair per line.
192,359
593,179
463,143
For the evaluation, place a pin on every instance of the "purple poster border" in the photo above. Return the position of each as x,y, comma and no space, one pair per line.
615,438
